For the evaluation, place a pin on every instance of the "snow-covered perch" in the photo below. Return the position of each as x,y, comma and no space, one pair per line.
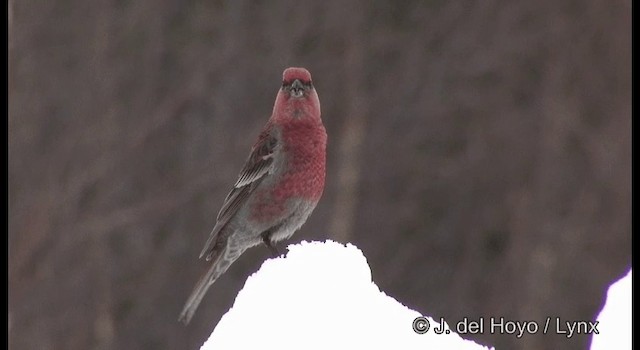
321,296
614,321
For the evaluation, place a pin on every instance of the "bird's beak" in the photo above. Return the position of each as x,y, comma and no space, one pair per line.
297,89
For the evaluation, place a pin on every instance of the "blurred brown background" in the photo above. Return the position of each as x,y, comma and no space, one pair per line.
479,154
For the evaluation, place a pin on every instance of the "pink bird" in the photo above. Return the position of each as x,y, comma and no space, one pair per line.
278,187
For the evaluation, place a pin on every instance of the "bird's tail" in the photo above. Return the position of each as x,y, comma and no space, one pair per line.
221,259
202,286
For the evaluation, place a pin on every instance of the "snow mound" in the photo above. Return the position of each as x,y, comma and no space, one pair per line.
321,296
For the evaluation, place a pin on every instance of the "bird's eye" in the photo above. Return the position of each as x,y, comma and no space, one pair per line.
306,84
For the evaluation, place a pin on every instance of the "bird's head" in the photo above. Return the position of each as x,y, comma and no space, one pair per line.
296,82
297,96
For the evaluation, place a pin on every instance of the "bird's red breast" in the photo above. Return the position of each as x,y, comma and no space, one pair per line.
305,145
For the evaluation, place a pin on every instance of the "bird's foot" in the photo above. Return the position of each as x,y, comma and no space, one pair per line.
272,247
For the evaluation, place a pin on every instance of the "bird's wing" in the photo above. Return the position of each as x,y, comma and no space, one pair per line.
257,166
